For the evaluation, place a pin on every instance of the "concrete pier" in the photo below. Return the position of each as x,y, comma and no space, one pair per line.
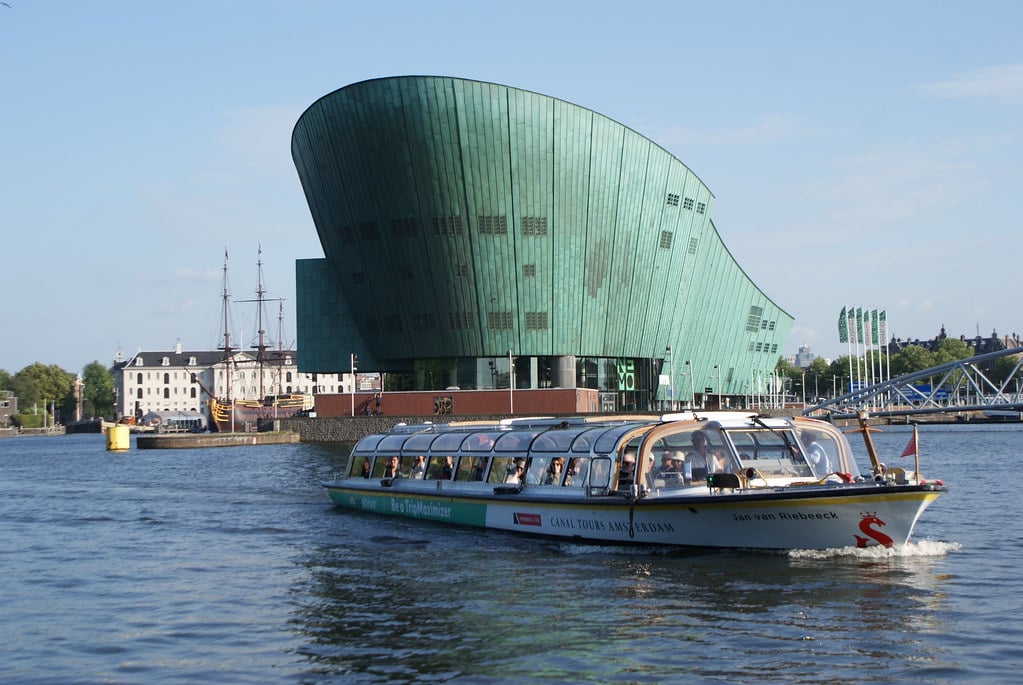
193,440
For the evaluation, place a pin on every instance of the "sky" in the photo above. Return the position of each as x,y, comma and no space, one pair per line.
860,154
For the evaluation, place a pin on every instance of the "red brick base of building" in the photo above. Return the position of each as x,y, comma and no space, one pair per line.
462,402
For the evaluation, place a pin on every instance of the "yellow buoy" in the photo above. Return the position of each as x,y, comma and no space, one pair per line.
118,437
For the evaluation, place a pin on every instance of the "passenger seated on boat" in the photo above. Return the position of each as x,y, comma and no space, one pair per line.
391,469
448,469
700,457
667,465
365,467
704,459
576,473
515,471
627,470
419,468
479,471
553,476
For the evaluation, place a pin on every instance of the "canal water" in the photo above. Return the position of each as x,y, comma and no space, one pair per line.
229,565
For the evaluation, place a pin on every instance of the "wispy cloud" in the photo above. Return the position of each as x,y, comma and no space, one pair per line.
1004,82
769,129
880,190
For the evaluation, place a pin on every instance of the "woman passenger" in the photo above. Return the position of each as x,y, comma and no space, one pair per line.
554,471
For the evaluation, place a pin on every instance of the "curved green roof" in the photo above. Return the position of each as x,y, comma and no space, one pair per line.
465,219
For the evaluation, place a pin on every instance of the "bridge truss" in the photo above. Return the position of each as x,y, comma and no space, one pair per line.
958,386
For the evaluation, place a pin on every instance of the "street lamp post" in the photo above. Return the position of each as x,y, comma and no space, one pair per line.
717,385
692,385
353,360
671,379
511,385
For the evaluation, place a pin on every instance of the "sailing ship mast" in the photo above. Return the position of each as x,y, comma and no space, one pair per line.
261,298
226,347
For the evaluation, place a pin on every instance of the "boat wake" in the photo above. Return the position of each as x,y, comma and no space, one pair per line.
923,548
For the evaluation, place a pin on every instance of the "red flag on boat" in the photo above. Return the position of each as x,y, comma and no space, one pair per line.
911,447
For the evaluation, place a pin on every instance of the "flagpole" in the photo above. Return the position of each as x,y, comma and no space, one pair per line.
916,452
850,317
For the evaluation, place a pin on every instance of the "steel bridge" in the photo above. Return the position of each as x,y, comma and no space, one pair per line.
958,386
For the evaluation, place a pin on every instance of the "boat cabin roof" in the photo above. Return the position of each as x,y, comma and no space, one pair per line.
505,437
749,441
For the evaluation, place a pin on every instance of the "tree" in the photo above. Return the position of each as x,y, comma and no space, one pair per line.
99,390
792,373
1003,368
818,376
5,380
38,383
910,359
838,373
949,350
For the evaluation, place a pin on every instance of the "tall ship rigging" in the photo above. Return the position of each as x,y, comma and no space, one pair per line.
266,399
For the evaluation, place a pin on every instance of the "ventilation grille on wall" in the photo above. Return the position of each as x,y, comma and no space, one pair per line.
492,225
536,321
446,226
500,321
534,225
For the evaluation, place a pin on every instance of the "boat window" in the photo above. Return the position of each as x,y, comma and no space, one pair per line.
507,470
448,442
381,466
700,448
440,468
772,453
368,443
825,450
546,470
480,442
515,441
606,442
463,469
575,474
745,445
554,441
392,443
600,472
584,441
472,468
627,465
360,467
413,466
420,443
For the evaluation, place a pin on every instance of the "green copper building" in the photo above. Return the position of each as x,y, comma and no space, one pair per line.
469,227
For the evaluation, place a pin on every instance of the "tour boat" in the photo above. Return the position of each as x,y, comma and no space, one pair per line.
714,480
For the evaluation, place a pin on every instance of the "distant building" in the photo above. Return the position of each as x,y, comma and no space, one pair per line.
804,357
979,345
182,381
8,407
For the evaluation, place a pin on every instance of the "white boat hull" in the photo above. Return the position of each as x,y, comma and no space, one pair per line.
813,518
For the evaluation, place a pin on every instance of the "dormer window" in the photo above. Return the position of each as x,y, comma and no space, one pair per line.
191,361
138,361
165,361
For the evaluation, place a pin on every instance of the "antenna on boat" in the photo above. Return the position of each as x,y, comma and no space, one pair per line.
876,467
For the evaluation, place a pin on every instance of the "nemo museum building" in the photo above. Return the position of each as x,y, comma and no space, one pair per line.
482,241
